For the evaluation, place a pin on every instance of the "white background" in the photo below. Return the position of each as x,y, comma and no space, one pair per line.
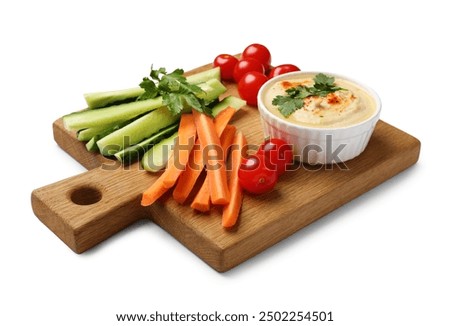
380,260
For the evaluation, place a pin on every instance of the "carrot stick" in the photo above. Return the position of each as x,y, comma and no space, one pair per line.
155,191
231,211
202,201
195,164
226,139
215,166
182,148
222,119
187,179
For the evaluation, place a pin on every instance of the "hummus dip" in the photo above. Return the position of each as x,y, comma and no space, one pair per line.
339,109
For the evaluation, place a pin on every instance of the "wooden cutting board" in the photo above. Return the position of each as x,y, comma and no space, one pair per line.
86,209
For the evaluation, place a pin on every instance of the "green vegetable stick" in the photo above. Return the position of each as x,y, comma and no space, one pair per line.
110,115
133,153
156,157
136,131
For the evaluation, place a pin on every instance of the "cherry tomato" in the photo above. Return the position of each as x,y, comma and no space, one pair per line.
226,62
255,177
283,69
249,86
258,52
277,153
246,65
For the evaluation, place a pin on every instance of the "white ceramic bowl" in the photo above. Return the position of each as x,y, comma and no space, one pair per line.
314,145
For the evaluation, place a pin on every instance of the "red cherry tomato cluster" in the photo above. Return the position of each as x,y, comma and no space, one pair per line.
259,172
251,71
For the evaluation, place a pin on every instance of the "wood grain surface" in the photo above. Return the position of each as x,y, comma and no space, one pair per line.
86,209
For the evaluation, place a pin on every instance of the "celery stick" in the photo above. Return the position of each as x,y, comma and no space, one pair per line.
156,157
102,99
204,76
133,153
233,101
213,88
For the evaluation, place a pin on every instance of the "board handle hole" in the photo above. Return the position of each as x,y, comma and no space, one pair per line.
86,196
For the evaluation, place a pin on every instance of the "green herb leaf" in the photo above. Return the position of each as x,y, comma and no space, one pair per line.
195,102
173,101
154,73
293,100
304,92
323,81
151,90
174,89
287,105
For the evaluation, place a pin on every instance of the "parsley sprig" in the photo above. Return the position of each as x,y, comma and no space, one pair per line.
293,100
174,89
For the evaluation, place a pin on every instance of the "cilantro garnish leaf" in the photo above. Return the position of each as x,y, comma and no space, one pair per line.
154,73
287,105
173,101
174,89
322,81
151,90
197,104
293,100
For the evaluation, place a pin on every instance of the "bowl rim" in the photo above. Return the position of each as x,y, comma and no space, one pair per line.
265,111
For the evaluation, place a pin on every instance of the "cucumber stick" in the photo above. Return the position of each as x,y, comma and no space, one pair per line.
91,145
110,115
156,157
136,131
102,99
133,153
100,132
119,113
87,134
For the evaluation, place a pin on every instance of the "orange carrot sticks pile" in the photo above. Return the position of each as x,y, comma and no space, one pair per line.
215,136
202,200
196,162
